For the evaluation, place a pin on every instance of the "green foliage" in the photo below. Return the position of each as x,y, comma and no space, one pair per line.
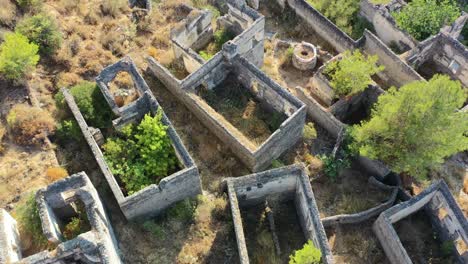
156,229
340,12
416,126
464,34
183,210
220,36
424,18
17,56
353,73
309,254
30,5
332,166
141,155
43,31
68,129
205,55
277,164
309,132
91,103
27,215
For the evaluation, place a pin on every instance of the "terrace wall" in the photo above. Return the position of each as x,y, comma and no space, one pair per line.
10,243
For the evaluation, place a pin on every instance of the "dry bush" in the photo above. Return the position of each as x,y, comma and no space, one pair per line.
69,5
7,13
29,125
113,42
113,7
66,79
92,59
56,173
161,38
2,134
91,17
314,164
165,57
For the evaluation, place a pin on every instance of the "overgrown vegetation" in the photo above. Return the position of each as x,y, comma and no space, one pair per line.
344,13
332,166
29,222
17,56
42,30
415,127
309,254
424,18
141,155
309,133
464,34
30,5
77,225
92,105
68,130
113,7
30,125
56,173
353,73
220,36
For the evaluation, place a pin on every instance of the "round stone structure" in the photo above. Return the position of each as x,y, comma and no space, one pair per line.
304,56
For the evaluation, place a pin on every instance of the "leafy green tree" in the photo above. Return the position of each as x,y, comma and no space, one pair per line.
17,56
142,154
43,31
309,254
416,126
91,102
424,18
353,73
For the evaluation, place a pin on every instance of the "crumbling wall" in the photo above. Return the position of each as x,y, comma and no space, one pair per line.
396,71
10,244
385,26
445,214
288,182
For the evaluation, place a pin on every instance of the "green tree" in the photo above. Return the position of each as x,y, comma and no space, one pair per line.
43,31
424,18
416,126
17,56
91,102
309,254
353,73
142,154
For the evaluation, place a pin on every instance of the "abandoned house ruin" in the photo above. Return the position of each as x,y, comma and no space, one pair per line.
289,183
446,217
58,203
154,198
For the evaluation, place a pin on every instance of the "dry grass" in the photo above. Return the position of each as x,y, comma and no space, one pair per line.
123,89
7,13
56,173
113,7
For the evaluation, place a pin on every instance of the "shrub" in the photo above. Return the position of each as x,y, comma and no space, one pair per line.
220,36
277,164
141,155
352,74
78,224
17,56
112,7
156,229
309,254
332,166
416,126
183,210
7,13
56,173
30,125
68,130
30,5
29,222
43,31
91,102
309,132
424,18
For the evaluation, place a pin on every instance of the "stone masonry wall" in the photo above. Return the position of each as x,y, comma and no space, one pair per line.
10,243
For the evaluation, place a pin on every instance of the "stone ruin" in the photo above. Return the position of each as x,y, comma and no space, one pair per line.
155,198
229,63
304,56
290,183
446,217
57,203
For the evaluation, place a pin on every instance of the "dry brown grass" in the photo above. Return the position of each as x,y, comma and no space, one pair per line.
7,13
113,7
29,125
56,173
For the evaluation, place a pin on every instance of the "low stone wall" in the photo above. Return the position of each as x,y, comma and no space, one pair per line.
445,214
385,26
153,199
396,71
291,181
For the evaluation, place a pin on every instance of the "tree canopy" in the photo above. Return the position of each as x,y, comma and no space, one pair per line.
43,31
424,18
352,74
416,126
309,254
17,56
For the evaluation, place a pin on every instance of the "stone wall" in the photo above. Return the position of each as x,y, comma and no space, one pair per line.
385,26
326,29
447,54
153,199
10,243
396,71
445,214
291,181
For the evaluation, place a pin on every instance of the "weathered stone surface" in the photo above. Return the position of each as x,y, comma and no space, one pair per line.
304,56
